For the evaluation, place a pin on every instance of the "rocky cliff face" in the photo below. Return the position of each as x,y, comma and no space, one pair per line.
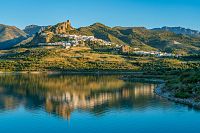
61,28
46,35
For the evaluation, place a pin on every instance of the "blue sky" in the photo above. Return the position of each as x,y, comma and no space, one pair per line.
147,13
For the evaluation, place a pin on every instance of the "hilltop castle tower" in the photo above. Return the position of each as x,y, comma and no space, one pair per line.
64,28
68,25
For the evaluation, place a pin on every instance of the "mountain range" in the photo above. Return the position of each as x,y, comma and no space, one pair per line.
144,38
179,30
168,39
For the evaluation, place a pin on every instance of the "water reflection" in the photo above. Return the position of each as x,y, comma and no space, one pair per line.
61,94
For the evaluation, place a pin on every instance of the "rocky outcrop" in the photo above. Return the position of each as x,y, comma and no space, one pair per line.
61,28
46,35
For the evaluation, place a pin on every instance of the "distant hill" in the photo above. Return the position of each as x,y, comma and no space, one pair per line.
33,29
140,37
10,36
179,30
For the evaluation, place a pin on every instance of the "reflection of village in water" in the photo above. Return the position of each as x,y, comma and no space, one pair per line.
61,95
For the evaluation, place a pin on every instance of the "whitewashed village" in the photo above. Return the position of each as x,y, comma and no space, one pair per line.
77,40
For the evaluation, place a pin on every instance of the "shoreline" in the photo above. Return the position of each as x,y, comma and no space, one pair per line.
167,95
72,72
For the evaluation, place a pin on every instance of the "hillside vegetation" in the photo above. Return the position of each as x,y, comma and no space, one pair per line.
185,85
59,59
86,59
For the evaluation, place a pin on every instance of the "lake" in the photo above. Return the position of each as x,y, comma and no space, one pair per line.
88,104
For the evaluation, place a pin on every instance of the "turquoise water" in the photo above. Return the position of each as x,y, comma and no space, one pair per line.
88,104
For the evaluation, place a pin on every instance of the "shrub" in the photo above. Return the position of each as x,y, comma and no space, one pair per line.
182,95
